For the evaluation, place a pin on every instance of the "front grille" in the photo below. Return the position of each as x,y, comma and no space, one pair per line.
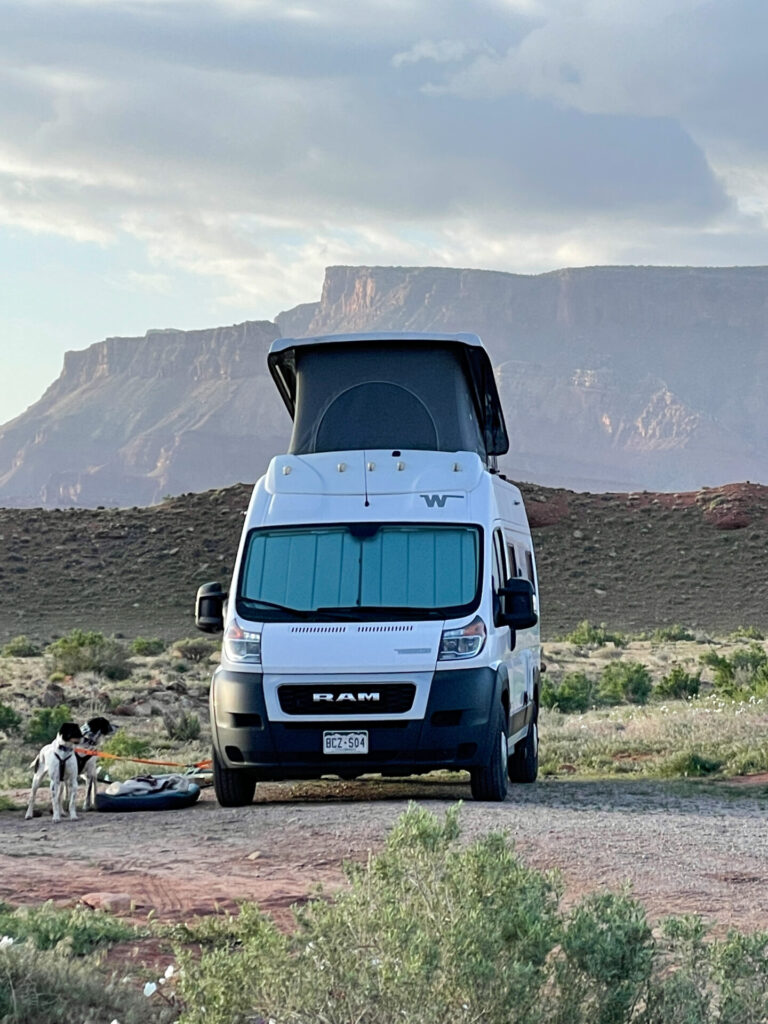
347,699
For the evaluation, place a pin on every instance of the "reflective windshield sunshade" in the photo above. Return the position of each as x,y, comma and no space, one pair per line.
380,565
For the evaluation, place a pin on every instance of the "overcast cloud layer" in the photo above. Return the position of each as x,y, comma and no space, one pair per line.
203,161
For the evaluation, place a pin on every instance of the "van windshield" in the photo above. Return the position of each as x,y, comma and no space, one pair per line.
370,570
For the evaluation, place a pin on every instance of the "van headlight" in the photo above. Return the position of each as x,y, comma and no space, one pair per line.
465,642
242,645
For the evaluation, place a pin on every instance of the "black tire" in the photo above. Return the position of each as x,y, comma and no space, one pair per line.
523,765
489,782
234,786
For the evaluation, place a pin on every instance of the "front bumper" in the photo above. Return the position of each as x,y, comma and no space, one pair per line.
453,734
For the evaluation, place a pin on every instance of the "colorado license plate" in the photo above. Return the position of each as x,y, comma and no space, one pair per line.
345,742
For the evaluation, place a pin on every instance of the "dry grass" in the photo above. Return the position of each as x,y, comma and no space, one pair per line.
708,735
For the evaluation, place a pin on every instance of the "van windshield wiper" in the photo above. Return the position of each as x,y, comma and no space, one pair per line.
368,612
302,613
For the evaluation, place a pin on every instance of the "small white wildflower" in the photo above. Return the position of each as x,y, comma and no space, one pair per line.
150,988
169,971
6,941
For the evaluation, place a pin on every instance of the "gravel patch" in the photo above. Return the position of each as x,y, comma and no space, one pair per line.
683,847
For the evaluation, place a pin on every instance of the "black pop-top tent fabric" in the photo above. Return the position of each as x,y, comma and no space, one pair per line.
355,392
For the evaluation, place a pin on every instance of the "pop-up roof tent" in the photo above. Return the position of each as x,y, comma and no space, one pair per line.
349,392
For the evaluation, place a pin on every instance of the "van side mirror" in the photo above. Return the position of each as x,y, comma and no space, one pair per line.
209,608
517,610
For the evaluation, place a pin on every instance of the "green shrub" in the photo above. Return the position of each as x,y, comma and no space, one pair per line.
747,633
575,693
20,647
740,971
10,720
429,931
680,994
746,759
81,651
185,727
587,635
425,932
194,649
122,745
56,677
690,764
146,647
678,684
742,672
622,681
671,633
80,929
44,723
607,959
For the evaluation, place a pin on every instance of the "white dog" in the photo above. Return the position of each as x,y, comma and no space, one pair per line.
59,761
94,732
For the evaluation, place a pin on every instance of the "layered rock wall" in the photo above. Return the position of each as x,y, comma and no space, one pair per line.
611,378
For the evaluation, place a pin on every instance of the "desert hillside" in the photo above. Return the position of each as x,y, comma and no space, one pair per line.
634,561
612,379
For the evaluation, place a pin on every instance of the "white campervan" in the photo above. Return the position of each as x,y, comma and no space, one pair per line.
382,615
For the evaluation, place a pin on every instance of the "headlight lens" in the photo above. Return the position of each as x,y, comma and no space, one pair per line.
465,642
241,645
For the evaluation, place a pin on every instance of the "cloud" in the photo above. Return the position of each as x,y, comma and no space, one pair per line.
442,51
702,63
253,142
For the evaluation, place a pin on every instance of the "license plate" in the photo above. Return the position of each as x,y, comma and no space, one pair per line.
345,742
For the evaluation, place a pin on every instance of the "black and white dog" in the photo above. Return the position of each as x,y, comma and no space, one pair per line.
58,761
95,731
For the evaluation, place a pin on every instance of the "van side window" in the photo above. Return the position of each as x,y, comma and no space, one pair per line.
529,568
499,568
512,560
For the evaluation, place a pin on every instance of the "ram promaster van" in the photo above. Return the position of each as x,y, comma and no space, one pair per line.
382,615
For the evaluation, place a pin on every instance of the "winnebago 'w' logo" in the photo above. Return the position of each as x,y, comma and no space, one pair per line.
438,499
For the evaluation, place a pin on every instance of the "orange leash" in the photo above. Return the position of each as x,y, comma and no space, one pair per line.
142,760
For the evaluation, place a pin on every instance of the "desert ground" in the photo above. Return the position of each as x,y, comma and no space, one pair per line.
668,797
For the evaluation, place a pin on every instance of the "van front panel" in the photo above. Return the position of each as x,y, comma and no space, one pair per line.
451,731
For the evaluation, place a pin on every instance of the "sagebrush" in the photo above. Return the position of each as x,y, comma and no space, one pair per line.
44,723
20,647
431,931
89,651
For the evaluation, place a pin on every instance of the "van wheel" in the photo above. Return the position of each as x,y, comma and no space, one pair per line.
523,763
234,786
489,782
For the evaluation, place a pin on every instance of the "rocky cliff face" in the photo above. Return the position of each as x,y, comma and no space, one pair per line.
612,378
133,419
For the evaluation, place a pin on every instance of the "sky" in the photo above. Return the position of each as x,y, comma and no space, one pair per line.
192,163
